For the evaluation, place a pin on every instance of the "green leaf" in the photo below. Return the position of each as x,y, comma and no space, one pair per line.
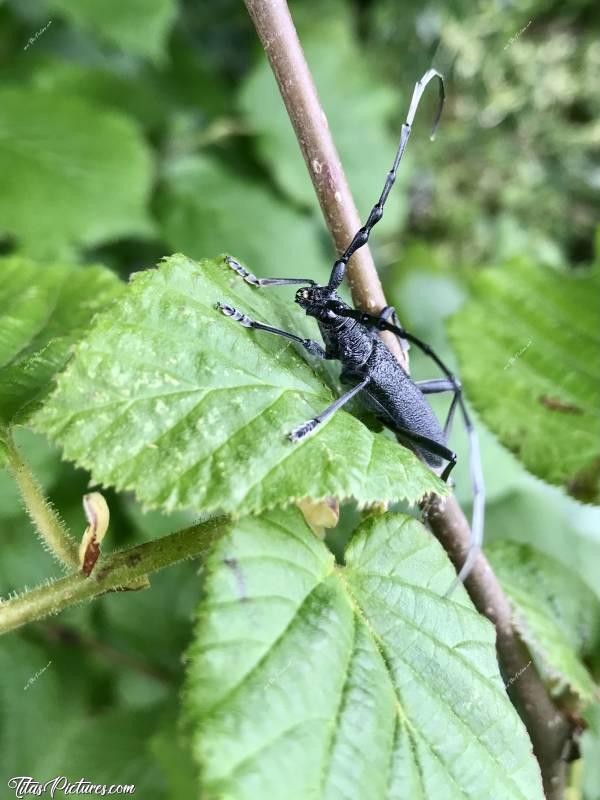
169,602
72,173
40,694
173,754
170,399
104,87
113,747
358,107
43,312
204,207
294,657
30,698
548,520
528,343
424,291
557,614
590,753
138,26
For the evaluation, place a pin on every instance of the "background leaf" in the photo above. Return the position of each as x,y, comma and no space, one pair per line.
358,125
590,749
102,87
557,614
43,312
294,655
71,174
425,292
205,207
544,518
527,345
169,398
40,693
119,23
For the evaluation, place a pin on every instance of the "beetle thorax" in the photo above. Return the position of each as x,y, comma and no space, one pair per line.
347,340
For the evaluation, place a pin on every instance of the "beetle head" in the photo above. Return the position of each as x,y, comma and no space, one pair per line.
315,301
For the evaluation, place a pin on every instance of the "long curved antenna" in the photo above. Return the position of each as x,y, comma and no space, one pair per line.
362,235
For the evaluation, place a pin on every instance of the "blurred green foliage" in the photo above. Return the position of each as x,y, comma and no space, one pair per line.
114,109
132,130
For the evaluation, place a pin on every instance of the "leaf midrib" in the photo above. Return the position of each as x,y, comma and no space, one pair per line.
386,661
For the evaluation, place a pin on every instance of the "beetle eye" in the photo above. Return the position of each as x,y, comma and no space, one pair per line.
305,294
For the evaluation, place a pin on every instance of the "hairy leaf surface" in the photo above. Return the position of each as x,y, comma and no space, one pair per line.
169,398
307,679
528,346
558,615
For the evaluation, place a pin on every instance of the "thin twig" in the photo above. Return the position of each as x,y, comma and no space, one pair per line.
549,727
46,520
117,571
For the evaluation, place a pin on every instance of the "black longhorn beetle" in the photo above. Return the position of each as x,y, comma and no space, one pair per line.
351,337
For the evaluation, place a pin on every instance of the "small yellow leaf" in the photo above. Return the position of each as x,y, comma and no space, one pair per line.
320,515
97,515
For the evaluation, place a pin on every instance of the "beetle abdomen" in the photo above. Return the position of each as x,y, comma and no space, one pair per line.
399,403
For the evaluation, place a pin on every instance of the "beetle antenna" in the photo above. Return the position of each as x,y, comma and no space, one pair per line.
362,235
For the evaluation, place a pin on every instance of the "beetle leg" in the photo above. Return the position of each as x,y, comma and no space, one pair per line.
314,348
308,427
443,385
254,281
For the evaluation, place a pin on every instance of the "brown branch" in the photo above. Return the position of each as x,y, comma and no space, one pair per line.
549,728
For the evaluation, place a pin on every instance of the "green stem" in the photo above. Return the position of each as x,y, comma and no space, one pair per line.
47,522
116,571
